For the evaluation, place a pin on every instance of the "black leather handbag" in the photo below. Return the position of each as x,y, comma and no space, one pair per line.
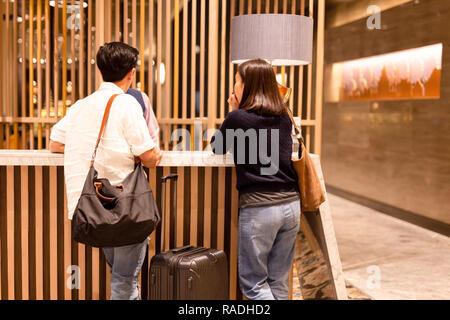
114,216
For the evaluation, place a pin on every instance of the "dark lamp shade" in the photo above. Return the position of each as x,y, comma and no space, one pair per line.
281,39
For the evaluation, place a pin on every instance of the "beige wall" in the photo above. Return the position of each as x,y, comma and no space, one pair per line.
399,153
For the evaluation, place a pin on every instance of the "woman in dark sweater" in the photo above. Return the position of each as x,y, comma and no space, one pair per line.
259,132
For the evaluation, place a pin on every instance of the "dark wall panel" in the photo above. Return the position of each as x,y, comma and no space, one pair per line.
393,152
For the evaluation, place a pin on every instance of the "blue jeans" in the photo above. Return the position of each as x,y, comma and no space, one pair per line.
126,263
267,237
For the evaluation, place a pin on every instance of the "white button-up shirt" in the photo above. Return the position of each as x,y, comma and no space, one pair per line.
126,135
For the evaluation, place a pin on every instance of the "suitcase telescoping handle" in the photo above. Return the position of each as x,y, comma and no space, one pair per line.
170,177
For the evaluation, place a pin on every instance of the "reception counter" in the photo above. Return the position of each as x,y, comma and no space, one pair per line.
40,261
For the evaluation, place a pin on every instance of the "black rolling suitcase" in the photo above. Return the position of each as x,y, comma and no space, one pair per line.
187,273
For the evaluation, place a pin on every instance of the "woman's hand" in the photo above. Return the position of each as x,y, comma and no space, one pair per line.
233,102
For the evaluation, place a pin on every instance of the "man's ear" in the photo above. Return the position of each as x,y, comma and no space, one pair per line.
130,74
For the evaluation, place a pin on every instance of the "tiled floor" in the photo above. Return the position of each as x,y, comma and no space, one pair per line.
384,258
387,258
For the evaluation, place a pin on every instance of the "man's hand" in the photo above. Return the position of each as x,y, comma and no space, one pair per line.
56,147
151,158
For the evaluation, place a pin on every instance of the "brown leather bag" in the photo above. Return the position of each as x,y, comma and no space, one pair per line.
114,216
311,191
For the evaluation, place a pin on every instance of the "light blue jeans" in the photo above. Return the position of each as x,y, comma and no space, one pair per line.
267,238
126,263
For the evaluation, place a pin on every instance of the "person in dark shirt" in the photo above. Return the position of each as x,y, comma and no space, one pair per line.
258,131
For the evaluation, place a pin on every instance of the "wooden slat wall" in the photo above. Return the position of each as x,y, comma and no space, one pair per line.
197,83
190,38
36,250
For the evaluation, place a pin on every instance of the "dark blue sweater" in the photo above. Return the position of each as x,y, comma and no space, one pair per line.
255,138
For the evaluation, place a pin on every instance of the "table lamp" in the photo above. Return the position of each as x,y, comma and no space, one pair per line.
280,39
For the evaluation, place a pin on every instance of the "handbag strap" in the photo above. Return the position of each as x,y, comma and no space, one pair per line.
298,133
102,127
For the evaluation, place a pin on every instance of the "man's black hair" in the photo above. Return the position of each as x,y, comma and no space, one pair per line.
115,60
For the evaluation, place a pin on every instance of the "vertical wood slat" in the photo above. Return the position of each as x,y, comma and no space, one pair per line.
31,68
7,69
117,21
300,74
108,22
193,68
319,76
152,242
39,233
180,207
207,208
158,59
24,231
221,209
64,57
231,65
233,237
56,63
133,31
202,58
3,102
81,64
17,232
309,93
89,49
10,231
185,59
47,70
194,206
99,34
150,51
125,22
142,44
39,69
3,229
168,66
166,214
67,249
23,64
168,36
53,250
212,62
223,61
292,69
176,57
95,273
82,265
14,84
72,18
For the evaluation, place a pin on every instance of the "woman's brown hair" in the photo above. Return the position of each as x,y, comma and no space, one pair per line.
260,88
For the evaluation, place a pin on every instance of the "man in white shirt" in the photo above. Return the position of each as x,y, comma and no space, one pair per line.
126,137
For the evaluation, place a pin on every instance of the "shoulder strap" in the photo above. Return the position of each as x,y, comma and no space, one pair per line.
102,127
298,133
